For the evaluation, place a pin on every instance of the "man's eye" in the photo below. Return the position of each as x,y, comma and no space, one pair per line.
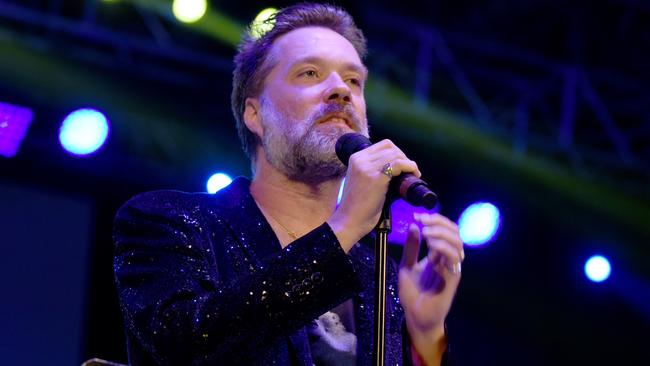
354,81
310,73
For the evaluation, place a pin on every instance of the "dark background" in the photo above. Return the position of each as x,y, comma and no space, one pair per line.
540,107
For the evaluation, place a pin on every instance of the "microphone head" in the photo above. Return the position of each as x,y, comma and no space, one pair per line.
421,195
350,143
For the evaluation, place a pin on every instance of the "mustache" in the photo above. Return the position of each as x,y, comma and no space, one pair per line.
333,108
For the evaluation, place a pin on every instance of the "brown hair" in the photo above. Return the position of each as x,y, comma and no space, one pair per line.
252,64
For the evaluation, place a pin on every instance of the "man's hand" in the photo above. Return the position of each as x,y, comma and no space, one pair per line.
427,288
365,190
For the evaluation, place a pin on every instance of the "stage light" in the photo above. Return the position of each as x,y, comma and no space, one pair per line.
401,218
218,181
83,131
14,121
261,24
479,223
338,199
597,268
189,11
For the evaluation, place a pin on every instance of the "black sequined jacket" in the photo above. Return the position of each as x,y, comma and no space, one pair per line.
202,280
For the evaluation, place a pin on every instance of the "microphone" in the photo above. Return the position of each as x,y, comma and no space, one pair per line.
406,185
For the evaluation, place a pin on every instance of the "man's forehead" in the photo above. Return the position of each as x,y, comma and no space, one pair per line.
311,43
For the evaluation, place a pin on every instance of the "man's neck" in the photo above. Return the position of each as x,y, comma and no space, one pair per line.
292,206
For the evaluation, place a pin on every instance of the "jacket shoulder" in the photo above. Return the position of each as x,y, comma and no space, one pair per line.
175,201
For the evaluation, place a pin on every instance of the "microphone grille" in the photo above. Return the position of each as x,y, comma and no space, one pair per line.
350,143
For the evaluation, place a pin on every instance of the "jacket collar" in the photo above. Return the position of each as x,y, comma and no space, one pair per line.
246,220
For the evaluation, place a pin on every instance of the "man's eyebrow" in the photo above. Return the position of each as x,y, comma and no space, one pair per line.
360,68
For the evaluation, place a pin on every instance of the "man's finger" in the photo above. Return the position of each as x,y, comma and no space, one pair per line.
437,219
441,232
411,247
448,251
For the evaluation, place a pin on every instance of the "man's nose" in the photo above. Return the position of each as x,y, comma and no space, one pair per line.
337,90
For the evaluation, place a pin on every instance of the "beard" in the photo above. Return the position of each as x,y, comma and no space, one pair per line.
305,150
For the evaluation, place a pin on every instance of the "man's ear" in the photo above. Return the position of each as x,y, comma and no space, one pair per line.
253,116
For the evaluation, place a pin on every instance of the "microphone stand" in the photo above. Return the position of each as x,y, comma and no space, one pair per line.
381,241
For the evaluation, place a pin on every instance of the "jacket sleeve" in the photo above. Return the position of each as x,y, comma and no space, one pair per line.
181,310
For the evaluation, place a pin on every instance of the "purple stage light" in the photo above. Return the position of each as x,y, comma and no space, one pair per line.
14,121
401,218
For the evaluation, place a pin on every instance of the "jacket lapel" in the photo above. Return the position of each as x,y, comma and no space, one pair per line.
247,222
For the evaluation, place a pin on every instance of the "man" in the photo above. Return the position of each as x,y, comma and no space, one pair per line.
272,271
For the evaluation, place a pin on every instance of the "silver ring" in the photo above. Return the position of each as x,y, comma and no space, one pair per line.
387,170
455,268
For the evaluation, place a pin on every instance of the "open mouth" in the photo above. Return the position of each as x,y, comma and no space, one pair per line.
337,119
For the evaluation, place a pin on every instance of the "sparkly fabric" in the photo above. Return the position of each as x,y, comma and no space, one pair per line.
202,280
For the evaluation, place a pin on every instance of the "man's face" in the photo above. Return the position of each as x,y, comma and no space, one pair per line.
312,96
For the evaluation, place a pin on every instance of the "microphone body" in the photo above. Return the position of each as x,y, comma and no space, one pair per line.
406,185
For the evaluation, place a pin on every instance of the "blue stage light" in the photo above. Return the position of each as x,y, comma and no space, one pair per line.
479,223
597,268
218,181
83,131
338,198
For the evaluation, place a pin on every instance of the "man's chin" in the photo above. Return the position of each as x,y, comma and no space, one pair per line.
318,172
314,177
